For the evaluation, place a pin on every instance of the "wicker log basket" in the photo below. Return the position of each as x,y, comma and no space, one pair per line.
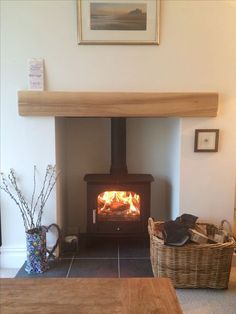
191,265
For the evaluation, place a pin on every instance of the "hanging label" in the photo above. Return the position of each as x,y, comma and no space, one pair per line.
36,74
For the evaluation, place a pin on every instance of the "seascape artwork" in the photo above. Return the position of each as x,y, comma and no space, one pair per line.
118,16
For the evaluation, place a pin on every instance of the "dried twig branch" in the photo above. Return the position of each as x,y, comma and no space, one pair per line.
31,213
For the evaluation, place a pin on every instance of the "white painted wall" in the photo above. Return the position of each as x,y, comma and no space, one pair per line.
87,151
25,142
208,179
61,190
152,148
197,52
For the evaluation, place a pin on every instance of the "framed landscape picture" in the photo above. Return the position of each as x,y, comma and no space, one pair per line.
118,21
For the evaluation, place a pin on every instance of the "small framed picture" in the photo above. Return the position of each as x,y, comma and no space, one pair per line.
206,140
118,21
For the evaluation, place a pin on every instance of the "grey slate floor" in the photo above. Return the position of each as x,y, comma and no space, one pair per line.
101,257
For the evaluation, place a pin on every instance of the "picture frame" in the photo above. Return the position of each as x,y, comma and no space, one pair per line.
206,140
118,22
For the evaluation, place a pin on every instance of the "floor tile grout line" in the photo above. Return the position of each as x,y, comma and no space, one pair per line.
71,263
118,260
134,257
108,258
105,258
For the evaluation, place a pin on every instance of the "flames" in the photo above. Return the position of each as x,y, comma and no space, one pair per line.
119,203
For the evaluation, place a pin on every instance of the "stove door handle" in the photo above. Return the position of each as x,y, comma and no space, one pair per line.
94,216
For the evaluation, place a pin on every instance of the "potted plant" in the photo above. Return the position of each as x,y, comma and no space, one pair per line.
32,212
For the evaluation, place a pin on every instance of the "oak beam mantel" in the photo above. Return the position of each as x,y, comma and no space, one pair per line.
117,104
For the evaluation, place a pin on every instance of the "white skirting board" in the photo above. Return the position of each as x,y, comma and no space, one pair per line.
11,257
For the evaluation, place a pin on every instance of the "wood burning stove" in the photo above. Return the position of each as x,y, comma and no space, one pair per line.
118,203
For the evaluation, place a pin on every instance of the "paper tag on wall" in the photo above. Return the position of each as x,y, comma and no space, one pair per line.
36,74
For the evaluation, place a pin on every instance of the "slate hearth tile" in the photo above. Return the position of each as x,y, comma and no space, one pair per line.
135,268
67,255
134,247
97,247
94,268
57,268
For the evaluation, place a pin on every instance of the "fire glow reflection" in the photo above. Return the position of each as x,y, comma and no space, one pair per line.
119,205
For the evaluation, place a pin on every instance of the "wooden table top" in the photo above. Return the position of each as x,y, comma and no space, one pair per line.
88,296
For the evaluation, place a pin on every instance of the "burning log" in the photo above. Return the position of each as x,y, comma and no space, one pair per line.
118,203
119,206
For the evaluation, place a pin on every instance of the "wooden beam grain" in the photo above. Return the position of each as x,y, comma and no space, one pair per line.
88,295
117,104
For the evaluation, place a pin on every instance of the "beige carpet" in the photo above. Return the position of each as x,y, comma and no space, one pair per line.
209,301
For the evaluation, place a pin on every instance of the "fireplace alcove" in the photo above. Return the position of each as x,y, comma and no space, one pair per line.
107,105
118,203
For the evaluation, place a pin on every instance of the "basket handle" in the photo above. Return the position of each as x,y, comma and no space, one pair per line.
224,221
151,224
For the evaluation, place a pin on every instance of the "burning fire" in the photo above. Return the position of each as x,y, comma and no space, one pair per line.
123,203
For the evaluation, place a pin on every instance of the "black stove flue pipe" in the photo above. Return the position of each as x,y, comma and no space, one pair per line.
118,146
